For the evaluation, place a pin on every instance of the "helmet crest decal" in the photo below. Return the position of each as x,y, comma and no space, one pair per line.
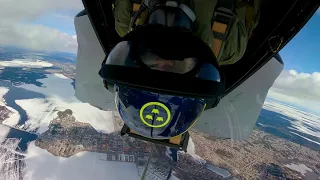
155,114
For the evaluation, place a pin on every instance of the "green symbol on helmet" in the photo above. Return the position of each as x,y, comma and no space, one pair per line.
155,111
159,119
155,114
149,117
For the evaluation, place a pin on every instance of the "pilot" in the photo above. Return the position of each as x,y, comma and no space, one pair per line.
165,70
162,72
224,25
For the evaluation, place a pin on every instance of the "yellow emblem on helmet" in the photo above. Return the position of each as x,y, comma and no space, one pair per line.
159,119
155,111
149,117
157,114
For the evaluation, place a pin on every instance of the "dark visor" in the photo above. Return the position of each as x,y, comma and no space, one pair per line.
165,60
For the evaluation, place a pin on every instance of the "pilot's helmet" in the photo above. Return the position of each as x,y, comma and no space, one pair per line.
163,77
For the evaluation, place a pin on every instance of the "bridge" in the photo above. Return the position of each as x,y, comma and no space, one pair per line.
12,127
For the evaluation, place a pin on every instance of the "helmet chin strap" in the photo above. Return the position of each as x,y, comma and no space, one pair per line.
167,13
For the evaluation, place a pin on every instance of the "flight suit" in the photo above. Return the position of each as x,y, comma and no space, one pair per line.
245,21
203,10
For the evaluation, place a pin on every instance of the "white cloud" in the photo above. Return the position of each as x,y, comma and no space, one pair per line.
16,10
25,63
300,89
64,17
36,37
16,28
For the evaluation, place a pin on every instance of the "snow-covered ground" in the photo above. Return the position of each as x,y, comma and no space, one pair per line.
40,112
3,91
14,117
299,167
4,130
306,138
305,120
83,166
192,151
28,63
59,94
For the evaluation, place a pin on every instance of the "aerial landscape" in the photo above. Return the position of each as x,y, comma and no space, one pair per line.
253,64
46,129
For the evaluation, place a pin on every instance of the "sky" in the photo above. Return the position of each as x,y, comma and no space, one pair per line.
48,25
299,82
303,51
39,24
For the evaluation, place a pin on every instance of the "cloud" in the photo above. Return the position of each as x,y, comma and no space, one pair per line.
16,10
25,63
17,28
36,37
300,89
64,17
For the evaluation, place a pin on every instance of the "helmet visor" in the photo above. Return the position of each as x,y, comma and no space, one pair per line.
123,54
164,60
155,115
156,62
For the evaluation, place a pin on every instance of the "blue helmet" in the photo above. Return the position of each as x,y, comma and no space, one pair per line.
163,75
162,83
157,115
